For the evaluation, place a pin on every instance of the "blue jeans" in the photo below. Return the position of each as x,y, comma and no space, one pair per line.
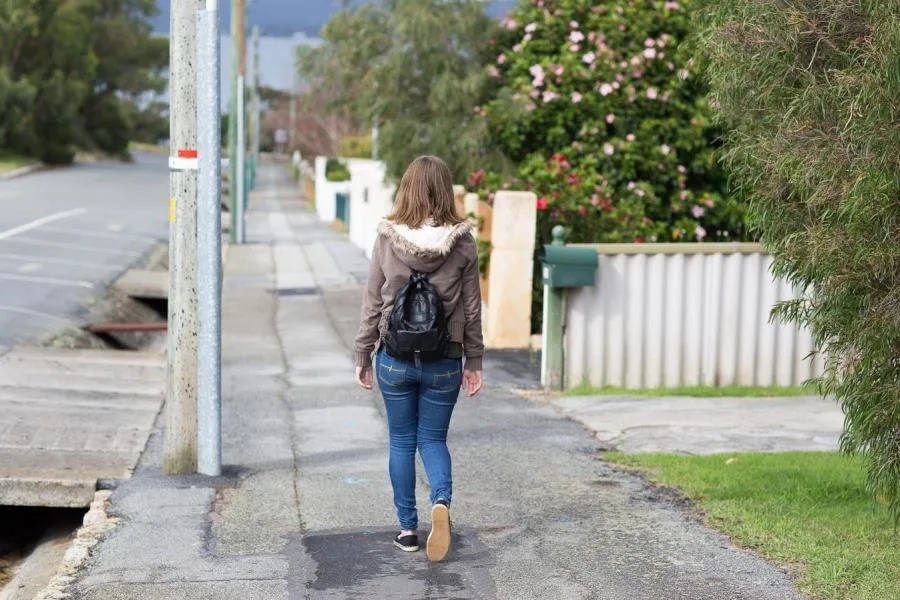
419,398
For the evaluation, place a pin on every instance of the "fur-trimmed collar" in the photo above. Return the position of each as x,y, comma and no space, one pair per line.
427,241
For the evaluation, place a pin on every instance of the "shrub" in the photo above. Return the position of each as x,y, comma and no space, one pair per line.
604,113
807,91
336,170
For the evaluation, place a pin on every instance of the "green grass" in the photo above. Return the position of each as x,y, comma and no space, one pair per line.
697,392
807,511
11,162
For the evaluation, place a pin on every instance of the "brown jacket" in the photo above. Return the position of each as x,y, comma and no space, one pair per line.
449,256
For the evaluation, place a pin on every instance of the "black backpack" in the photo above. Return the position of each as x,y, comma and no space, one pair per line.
417,325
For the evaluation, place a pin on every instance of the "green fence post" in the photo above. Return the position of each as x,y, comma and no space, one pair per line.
554,299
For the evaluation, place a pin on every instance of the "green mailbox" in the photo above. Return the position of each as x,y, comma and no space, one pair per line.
566,267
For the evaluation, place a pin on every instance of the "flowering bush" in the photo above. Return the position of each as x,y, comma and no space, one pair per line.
602,111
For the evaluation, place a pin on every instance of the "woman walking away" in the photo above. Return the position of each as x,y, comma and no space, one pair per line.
421,315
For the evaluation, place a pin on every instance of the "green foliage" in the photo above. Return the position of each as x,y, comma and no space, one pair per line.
336,170
356,146
807,91
604,113
418,67
78,67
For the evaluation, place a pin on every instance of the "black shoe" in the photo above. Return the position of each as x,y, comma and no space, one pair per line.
438,544
407,543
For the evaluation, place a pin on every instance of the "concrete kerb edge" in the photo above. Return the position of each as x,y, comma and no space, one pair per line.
23,171
96,524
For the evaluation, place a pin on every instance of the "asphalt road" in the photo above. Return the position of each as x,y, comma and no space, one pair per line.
65,234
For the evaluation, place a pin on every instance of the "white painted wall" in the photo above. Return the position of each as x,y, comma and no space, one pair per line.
371,199
325,191
673,317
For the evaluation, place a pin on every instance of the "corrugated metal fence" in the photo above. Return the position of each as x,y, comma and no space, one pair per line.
670,315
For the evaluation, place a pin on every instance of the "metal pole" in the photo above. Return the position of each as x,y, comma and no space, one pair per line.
254,134
292,121
240,161
180,440
237,50
209,245
552,357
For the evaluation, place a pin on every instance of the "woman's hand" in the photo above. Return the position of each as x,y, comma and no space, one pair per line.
472,382
364,378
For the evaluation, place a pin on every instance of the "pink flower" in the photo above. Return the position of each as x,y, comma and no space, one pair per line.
610,118
630,185
672,6
494,72
622,27
476,177
589,58
709,203
557,69
573,24
640,193
501,59
606,89
608,149
665,149
576,97
620,77
650,53
536,70
534,93
630,137
649,42
511,24
582,210
576,37
652,93
517,48
681,169
700,232
573,179
635,61
526,38
542,203
683,73
531,28
550,96
574,47
684,195
697,211
477,110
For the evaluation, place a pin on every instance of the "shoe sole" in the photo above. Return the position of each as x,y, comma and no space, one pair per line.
439,539
406,548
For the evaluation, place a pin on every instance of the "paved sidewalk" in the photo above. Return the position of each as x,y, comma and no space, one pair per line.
708,425
304,510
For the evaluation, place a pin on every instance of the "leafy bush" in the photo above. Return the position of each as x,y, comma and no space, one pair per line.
356,146
604,113
807,91
336,170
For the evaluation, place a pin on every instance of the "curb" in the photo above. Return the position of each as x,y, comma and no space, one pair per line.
22,171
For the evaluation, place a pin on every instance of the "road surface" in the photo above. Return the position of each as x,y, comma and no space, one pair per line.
65,234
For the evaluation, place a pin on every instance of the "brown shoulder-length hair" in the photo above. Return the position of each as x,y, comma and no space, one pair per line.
425,195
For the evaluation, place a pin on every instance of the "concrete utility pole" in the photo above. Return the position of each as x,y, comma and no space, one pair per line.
209,245
292,120
180,441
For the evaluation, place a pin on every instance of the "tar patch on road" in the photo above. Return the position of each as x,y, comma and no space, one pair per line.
364,564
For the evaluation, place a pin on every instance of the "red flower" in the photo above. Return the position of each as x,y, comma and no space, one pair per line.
555,195
476,177
582,210
574,179
542,203
558,157
638,240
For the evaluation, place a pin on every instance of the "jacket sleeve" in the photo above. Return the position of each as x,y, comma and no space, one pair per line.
473,343
372,304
